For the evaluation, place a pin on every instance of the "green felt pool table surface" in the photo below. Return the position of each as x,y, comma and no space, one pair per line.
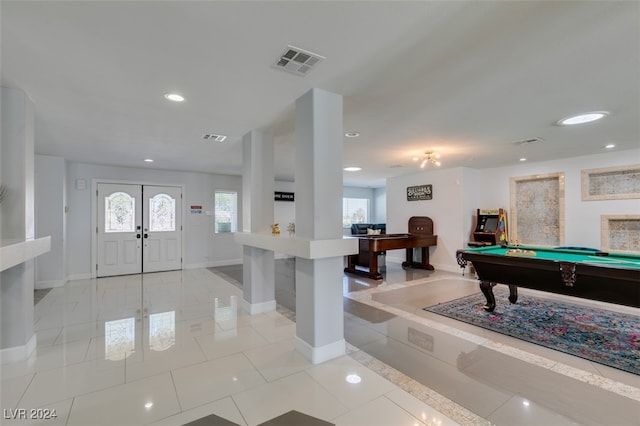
565,255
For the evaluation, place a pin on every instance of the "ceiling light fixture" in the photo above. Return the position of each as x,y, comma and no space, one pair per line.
610,146
174,97
352,169
523,159
587,117
352,134
148,160
428,158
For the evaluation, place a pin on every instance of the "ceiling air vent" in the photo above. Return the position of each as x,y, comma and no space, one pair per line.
528,141
212,137
297,61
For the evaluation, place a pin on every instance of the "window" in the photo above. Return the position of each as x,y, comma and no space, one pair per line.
119,212
354,210
226,215
162,213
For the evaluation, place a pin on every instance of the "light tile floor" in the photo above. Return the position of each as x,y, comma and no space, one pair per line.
169,348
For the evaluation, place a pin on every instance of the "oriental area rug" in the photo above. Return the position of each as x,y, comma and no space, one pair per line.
598,335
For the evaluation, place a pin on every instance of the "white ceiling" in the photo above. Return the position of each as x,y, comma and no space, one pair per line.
465,79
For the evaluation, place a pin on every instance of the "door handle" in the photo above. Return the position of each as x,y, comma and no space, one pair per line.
146,235
138,236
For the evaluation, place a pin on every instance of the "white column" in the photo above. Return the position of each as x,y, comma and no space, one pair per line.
17,336
257,207
318,177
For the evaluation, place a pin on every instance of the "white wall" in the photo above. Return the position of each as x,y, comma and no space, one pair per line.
457,193
380,205
203,247
582,218
57,188
471,203
445,209
50,219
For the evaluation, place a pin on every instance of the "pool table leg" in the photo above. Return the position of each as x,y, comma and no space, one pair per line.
513,293
487,289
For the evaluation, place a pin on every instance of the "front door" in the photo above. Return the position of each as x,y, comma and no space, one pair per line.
162,241
139,229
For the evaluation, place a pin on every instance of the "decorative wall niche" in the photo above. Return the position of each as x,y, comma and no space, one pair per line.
537,209
611,183
620,233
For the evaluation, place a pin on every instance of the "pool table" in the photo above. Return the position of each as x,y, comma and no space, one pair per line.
587,273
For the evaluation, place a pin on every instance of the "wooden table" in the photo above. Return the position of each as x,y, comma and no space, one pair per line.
371,246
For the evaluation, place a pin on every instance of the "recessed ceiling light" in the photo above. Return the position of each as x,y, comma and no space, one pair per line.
148,160
352,169
174,97
610,145
523,159
582,118
148,405
352,134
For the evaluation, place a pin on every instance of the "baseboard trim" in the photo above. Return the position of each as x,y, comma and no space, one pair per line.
76,277
213,264
41,285
320,354
258,308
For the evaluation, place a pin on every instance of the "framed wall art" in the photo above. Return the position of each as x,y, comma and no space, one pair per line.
620,233
537,209
611,183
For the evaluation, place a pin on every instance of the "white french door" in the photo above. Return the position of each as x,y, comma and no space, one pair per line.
161,224
119,229
139,229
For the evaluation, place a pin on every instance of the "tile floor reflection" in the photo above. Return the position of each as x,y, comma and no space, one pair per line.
170,348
